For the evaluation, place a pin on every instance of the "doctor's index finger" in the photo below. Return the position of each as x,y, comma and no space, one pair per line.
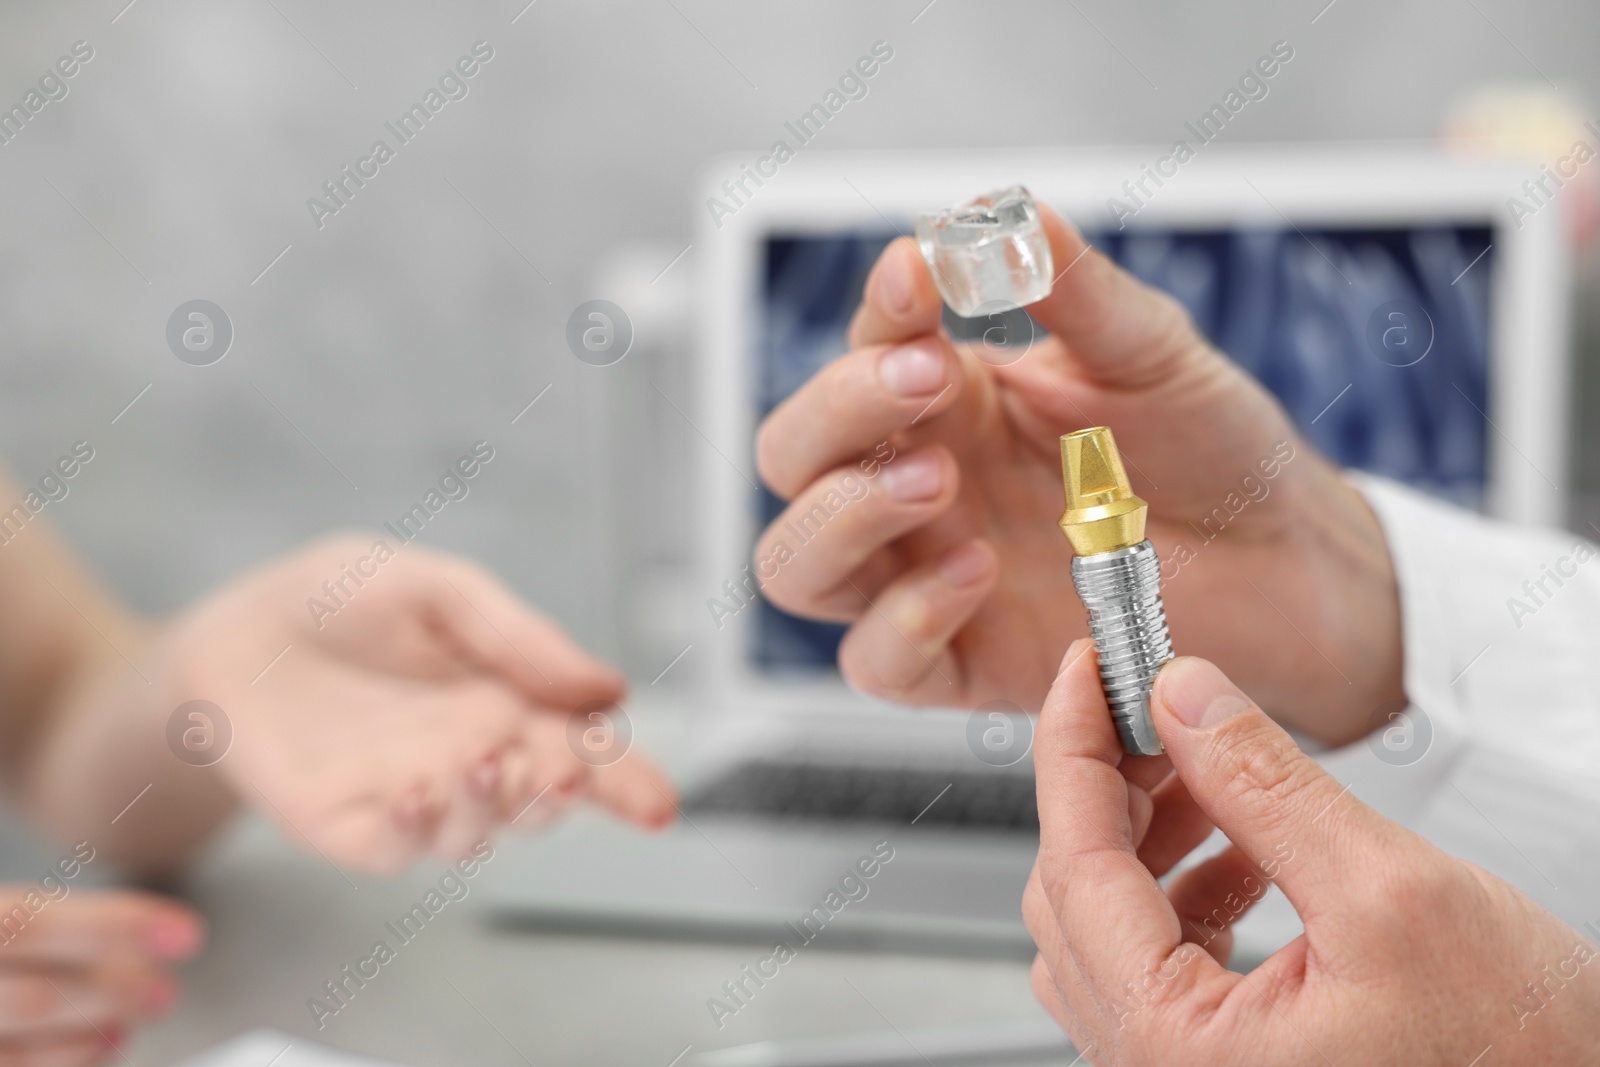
900,300
853,407
1115,920
900,370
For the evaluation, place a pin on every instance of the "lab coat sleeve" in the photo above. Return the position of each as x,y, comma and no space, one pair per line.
1497,758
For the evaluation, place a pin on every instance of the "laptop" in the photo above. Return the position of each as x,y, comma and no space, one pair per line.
1295,261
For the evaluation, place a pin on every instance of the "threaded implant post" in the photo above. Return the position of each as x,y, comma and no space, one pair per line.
1122,591
1118,575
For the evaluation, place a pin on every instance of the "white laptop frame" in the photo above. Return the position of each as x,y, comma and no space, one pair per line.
823,192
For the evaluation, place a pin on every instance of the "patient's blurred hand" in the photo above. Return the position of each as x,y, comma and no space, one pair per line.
416,709
79,973
1409,955
956,544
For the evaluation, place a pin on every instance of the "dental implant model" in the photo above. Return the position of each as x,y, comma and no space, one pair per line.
989,255
1118,575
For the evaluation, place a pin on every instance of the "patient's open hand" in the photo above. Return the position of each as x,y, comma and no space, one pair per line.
956,546
414,707
77,973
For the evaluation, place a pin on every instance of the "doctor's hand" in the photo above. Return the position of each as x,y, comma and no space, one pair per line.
78,972
381,705
1409,956
951,572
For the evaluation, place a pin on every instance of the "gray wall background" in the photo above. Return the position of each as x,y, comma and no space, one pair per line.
408,327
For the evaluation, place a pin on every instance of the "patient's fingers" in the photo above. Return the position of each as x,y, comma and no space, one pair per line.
479,800
560,753
85,928
414,817
376,836
516,786
472,813
899,647
509,639
838,522
576,758
635,790
550,779
851,407
78,1048
77,970
36,1004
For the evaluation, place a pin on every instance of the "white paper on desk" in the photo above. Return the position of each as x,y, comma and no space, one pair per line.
274,1048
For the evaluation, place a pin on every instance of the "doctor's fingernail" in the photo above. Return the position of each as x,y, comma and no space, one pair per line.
914,478
1198,694
916,369
894,280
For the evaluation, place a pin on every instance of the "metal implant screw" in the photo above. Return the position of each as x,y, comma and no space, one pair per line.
1118,576
1122,591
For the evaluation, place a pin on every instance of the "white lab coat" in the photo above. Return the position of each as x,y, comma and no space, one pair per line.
1497,759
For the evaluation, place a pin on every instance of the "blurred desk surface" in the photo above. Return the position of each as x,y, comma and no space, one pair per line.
283,922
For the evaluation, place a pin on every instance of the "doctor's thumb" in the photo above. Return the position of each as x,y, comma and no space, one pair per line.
1275,803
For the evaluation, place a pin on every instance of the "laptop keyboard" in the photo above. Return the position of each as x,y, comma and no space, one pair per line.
901,795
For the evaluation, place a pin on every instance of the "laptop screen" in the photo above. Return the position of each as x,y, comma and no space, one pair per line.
1375,340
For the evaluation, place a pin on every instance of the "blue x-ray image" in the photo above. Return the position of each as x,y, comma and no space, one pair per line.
1375,340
